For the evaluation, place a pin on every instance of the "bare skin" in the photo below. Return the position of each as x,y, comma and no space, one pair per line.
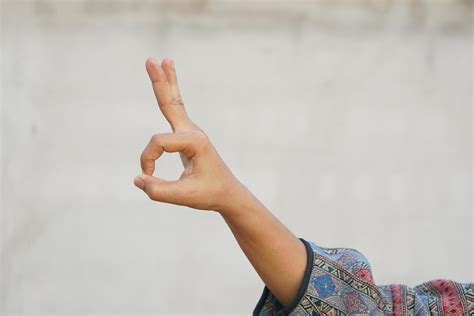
206,183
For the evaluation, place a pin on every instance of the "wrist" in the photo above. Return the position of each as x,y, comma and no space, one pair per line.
238,201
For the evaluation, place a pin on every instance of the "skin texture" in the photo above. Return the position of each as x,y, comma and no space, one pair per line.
206,183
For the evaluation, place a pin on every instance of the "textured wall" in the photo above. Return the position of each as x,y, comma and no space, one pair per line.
350,120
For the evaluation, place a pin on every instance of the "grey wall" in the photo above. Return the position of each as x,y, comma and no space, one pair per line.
351,121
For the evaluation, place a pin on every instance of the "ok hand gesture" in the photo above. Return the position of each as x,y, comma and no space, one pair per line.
206,182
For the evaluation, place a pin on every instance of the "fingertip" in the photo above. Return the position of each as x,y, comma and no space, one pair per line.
150,61
155,72
139,183
167,62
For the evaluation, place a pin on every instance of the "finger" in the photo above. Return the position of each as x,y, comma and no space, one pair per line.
171,107
168,67
174,191
183,142
159,82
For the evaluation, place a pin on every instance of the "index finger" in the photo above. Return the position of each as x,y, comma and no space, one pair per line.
183,142
171,106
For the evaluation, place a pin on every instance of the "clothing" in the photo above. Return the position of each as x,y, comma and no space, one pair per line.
338,281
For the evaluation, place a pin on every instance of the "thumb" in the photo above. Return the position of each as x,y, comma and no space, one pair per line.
167,191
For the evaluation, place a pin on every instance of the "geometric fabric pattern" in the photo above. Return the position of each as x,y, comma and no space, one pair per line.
338,281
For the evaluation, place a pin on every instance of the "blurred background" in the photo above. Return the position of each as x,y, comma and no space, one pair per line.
350,120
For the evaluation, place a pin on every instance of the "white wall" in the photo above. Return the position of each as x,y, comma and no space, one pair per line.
351,121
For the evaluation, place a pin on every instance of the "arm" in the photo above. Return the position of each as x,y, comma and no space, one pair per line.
275,253
208,184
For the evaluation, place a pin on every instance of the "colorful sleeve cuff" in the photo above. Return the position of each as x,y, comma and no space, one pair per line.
338,281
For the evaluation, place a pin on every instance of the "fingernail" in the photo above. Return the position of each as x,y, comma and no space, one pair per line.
172,63
139,183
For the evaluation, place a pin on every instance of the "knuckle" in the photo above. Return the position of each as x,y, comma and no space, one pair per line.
153,194
153,198
200,138
177,101
155,139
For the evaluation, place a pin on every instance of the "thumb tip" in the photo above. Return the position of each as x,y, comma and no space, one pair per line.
139,182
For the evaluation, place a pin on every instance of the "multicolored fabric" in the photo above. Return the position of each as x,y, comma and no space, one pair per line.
338,281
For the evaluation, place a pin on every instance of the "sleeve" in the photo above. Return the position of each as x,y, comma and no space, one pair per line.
337,281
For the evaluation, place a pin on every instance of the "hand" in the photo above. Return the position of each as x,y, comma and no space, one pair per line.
206,182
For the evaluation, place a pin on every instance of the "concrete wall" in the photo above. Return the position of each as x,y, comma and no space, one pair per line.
350,120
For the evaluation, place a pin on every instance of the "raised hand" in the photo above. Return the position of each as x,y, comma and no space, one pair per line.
206,182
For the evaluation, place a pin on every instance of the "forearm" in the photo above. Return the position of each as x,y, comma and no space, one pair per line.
277,255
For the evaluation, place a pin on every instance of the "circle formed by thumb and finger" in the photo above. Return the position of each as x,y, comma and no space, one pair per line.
186,143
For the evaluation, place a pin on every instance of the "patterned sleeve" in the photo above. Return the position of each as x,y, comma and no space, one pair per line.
338,281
